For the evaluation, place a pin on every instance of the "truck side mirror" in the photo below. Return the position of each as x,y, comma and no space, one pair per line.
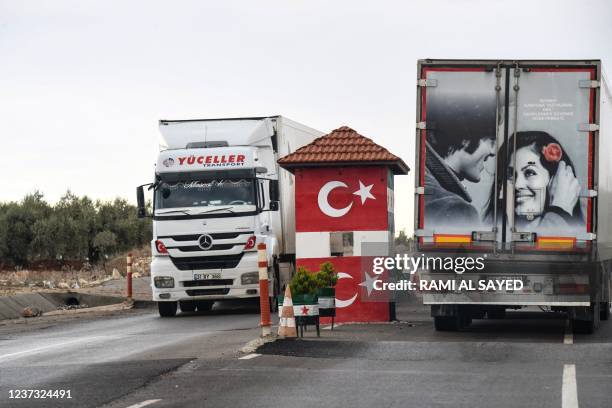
142,211
273,190
273,205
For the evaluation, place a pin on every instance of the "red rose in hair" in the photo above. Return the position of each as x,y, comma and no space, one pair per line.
552,152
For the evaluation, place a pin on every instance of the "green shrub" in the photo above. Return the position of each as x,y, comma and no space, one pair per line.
305,282
327,276
74,229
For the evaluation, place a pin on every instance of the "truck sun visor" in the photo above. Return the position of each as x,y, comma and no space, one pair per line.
203,176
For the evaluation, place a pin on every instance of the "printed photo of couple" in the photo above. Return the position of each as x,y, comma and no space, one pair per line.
536,172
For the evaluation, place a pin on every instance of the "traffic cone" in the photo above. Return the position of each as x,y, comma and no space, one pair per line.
286,326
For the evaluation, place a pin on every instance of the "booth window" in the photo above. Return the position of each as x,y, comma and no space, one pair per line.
341,243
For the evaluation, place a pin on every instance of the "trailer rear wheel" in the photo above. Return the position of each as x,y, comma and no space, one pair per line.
496,313
605,311
466,320
581,326
167,309
447,323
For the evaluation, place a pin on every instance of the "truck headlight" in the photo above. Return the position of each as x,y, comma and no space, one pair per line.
164,282
250,278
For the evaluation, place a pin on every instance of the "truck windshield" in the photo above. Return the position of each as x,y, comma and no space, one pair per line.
205,193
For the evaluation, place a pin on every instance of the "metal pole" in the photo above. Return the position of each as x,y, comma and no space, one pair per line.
517,74
129,276
264,300
498,76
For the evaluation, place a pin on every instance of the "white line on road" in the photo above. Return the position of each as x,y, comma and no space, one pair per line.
62,344
249,356
568,338
569,391
330,326
144,403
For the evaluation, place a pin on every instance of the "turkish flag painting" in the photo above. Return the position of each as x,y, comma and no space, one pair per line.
341,199
355,298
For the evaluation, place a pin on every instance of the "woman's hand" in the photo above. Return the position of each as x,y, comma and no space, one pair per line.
564,188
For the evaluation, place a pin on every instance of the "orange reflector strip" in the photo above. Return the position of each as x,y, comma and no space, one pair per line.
556,242
452,239
572,289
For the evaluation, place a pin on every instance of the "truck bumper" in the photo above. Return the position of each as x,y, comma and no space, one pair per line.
449,299
186,288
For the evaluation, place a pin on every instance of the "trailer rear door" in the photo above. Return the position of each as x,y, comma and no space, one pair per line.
550,167
461,128
506,154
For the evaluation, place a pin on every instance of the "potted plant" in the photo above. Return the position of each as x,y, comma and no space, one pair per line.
304,291
304,288
326,279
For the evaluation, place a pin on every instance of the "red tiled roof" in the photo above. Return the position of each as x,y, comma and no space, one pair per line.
343,146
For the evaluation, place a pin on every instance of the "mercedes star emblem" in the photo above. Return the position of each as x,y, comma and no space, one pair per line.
205,242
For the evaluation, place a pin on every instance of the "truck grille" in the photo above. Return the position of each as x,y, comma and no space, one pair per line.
202,292
209,282
207,262
220,247
215,235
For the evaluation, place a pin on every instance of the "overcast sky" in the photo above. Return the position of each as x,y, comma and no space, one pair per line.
83,83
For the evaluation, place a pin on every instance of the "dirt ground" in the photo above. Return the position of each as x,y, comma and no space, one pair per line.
89,276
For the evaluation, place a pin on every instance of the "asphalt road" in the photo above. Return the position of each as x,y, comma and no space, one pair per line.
102,358
137,360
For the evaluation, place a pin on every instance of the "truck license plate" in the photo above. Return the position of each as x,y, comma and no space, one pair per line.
204,276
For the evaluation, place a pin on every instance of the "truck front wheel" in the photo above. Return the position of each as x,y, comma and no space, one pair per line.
273,304
167,309
187,306
204,305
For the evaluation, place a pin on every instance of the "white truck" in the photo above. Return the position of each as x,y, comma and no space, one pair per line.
218,192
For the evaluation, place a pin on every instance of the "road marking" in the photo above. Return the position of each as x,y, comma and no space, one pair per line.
38,349
569,391
249,356
144,403
568,338
330,326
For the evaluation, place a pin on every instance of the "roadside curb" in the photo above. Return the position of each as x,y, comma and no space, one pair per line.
254,344
143,304
116,307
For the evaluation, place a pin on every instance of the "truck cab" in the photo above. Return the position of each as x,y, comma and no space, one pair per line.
216,195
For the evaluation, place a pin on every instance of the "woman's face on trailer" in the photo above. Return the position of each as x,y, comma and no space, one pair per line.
531,182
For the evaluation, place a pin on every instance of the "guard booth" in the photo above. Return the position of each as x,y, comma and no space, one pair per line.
344,215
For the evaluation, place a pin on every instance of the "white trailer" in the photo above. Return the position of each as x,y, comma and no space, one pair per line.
218,193
513,164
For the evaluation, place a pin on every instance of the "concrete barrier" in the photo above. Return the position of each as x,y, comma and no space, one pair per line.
12,306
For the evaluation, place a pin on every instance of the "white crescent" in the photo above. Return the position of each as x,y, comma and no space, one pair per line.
324,204
344,303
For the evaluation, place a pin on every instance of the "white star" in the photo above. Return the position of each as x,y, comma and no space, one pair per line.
368,283
364,192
